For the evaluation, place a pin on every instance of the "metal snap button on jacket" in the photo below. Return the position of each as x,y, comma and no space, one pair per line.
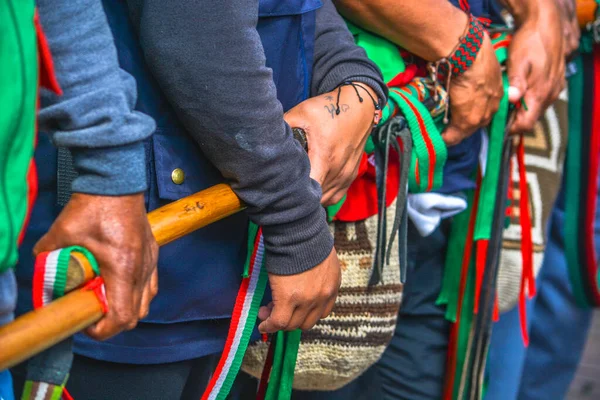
177,176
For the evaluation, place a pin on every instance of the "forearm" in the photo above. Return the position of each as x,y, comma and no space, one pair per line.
94,117
428,28
338,59
210,63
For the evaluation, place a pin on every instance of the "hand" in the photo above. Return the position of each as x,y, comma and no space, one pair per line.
335,141
115,229
571,32
301,300
474,96
536,64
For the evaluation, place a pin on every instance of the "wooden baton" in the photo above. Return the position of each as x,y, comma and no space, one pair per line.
37,330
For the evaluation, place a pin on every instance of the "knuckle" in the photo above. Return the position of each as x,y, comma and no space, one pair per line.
278,324
144,313
452,140
474,121
124,320
494,106
336,198
330,292
131,324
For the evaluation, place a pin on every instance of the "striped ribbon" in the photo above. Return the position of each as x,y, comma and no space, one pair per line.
243,320
49,281
429,152
44,391
50,273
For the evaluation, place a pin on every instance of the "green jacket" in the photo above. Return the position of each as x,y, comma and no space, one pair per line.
18,101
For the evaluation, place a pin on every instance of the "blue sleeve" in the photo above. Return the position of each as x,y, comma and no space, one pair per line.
95,116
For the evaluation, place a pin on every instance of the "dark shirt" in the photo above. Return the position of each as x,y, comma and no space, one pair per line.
210,63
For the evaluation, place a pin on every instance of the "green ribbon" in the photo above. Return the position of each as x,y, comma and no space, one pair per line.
412,110
490,181
284,364
449,293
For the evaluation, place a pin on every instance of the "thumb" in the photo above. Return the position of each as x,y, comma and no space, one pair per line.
318,166
452,135
48,242
280,317
517,79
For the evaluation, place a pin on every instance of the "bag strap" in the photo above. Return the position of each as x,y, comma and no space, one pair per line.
393,133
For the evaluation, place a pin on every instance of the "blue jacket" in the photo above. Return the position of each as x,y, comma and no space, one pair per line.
200,274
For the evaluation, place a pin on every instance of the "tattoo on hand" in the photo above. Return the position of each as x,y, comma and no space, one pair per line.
331,108
329,97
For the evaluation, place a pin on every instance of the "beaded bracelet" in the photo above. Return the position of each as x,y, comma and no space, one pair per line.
459,60
466,51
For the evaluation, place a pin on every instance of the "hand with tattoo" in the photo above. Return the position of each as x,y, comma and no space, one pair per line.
336,131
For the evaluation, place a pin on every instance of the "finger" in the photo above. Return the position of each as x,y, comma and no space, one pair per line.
265,311
518,71
123,314
328,308
154,284
113,323
146,298
48,242
318,168
279,319
124,300
526,119
301,315
109,326
311,319
452,135
333,197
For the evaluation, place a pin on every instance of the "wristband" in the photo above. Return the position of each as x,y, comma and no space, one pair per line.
465,53
376,103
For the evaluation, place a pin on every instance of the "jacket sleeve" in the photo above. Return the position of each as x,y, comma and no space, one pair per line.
94,117
338,59
208,58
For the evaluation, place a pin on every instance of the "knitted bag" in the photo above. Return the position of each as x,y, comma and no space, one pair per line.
544,155
342,346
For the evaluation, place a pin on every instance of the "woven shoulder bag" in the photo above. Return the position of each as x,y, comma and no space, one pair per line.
342,346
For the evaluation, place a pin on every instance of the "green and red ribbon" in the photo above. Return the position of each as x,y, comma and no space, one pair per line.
581,183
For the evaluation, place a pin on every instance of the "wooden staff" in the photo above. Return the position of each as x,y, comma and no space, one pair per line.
37,330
